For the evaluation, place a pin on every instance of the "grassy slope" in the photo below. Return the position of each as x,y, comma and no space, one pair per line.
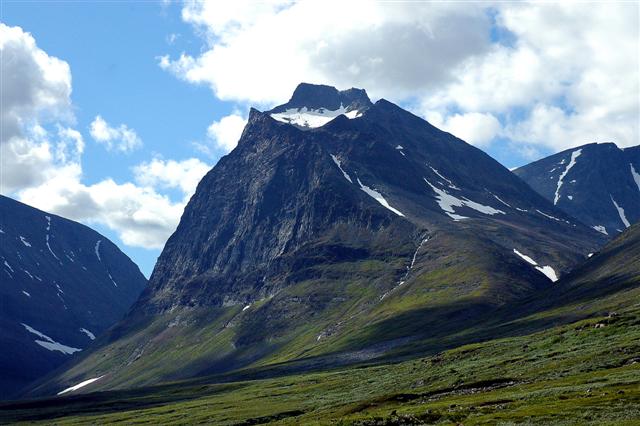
584,369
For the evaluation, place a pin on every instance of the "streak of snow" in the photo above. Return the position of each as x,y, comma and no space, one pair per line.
26,293
24,241
601,229
525,257
451,185
8,266
499,199
546,270
448,201
623,218
111,278
549,216
339,164
49,247
399,147
50,344
28,273
378,197
80,385
409,268
635,175
89,334
246,307
574,155
97,250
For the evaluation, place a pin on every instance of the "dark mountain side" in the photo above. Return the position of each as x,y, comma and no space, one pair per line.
62,285
335,241
598,183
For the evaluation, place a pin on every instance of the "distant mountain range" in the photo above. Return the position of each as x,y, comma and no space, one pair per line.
598,183
62,285
337,231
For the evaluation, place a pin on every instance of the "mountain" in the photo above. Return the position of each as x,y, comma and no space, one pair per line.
588,362
337,231
62,285
598,183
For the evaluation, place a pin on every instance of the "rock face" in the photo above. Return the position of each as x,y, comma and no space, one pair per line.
62,285
598,183
335,242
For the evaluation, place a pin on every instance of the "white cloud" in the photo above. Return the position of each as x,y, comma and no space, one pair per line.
41,157
183,175
258,52
570,77
474,127
36,89
120,138
575,61
226,131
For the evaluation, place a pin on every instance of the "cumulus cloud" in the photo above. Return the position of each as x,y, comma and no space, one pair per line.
473,127
120,138
183,175
36,90
226,131
41,156
258,52
524,65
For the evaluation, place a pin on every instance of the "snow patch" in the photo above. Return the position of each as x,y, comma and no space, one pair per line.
572,162
24,241
623,218
89,334
378,197
26,293
399,147
246,307
312,118
601,229
447,202
80,385
546,270
339,164
50,344
590,254
8,266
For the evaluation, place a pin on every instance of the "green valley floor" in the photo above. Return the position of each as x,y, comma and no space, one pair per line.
586,372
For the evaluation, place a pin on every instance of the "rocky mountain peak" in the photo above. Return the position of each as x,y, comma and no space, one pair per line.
314,105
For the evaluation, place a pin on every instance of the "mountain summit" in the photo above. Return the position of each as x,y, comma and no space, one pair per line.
336,241
597,183
315,105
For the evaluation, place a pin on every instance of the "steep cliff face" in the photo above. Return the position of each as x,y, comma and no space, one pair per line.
597,183
337,230
62,285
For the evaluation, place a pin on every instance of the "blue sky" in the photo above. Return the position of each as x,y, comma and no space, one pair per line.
112,50
497,77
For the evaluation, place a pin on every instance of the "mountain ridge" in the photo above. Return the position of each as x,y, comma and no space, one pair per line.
63,285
